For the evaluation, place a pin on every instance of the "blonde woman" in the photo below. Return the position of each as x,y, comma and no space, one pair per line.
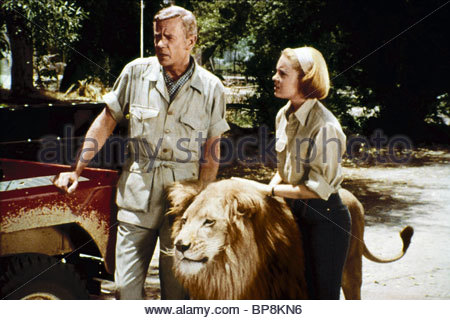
310,144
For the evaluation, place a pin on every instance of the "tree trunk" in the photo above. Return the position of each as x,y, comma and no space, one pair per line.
207,53
22,55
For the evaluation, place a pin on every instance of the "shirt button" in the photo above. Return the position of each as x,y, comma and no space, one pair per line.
170,113
167,131
165,150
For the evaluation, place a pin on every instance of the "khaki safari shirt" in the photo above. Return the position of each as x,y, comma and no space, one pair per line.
310,145
165,137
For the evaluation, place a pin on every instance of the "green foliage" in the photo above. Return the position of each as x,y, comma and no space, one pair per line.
276,25
440,114
53,25
266,28
4,45
244,118
389,55
402,48
109,39
221,24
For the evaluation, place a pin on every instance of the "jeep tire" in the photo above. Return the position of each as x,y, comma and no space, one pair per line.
40,277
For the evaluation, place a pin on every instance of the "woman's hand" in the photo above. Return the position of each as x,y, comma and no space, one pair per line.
261,187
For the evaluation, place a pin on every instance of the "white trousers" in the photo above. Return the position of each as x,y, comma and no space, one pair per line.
134,250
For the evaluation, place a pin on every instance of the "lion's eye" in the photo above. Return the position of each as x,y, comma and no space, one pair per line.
209,222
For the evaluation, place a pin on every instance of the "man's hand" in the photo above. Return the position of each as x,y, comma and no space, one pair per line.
261,187
66,181
98,132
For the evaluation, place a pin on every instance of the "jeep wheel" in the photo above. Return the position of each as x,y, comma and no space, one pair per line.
40,277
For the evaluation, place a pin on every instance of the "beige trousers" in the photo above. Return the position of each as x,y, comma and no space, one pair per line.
134,249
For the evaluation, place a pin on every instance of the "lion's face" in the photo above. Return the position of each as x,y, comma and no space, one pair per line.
210,223
233,242
200,235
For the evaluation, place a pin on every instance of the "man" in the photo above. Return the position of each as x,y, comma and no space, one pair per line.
173,106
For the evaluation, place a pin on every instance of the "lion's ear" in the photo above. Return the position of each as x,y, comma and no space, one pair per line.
245,204
181,195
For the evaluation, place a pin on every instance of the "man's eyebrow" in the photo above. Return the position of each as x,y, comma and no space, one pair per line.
167,34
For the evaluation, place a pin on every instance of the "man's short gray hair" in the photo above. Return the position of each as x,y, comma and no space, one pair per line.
188,18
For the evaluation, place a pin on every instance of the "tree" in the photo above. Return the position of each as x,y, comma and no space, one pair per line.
221,25
276,25
109,39
36,27
110,35
405,77
407,64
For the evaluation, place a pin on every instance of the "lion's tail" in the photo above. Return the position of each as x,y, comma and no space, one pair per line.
406,236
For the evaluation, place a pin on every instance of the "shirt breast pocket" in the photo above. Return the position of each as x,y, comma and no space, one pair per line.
196,128
139,115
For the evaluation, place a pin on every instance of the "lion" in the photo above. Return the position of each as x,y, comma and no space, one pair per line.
233,242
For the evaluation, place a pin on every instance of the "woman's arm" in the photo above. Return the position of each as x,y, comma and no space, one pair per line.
276,179
282,190
293,192
289,190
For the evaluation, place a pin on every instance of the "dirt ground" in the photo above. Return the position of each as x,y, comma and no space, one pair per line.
393,198
415,194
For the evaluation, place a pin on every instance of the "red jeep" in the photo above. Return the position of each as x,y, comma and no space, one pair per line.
54,245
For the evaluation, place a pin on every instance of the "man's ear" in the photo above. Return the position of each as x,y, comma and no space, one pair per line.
181,195
191,41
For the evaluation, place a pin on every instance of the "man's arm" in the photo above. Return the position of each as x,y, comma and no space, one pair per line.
98,132
211,160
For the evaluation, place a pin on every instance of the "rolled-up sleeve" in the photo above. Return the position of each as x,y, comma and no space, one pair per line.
218,123
118,99
325,169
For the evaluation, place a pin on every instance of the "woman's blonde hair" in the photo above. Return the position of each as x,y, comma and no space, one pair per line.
315,82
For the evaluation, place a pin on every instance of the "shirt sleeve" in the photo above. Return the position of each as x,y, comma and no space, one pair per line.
325,161
119,98
218,124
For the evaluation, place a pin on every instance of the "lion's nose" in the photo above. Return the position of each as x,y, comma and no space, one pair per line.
182,247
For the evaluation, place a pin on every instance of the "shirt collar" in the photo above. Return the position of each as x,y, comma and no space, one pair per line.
302,113
155,74
196,81
186,75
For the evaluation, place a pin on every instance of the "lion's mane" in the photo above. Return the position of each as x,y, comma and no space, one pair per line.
262,257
